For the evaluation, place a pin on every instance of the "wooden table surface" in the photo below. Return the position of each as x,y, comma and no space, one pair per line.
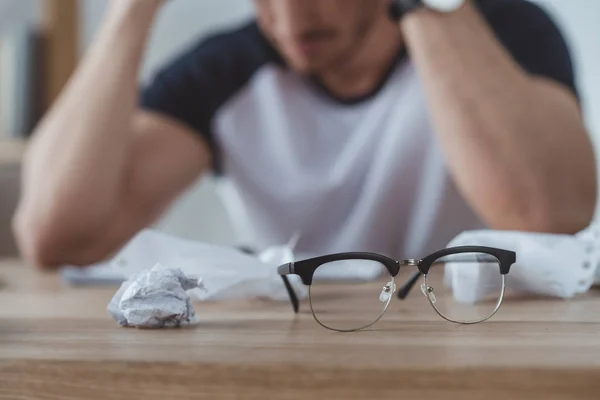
59,343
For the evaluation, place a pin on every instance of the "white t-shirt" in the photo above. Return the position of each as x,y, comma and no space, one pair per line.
360,175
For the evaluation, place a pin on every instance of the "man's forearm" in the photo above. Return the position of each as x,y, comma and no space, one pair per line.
74,169
515,145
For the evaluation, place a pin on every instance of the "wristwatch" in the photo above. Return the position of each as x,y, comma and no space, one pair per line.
399,8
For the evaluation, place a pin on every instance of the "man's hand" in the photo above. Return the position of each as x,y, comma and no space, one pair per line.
98,169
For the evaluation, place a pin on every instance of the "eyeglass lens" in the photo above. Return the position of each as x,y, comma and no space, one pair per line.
464,288
332,289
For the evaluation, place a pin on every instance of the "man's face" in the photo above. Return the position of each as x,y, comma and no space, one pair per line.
313,35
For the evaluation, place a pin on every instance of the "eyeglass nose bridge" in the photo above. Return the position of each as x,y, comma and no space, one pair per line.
411,262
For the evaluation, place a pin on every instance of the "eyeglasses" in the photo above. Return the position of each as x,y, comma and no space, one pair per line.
371,283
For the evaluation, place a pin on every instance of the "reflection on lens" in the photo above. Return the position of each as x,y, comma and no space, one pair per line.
332,290
465,288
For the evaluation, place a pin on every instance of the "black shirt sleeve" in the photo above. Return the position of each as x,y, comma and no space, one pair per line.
532,37
193,86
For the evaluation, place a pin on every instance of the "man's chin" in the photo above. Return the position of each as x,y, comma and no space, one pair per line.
308,66
315,64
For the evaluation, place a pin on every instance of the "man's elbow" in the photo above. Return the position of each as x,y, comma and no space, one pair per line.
543,217
573,219
576,209
567,223
48,245
34,241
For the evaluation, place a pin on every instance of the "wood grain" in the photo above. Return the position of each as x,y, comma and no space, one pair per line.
59,343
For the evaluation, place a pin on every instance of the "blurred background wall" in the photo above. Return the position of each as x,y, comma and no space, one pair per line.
580,22
200,214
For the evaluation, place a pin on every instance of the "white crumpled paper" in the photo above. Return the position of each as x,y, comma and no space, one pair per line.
186,271
553,265
155,298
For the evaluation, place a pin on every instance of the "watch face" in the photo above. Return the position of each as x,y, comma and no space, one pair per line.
444,5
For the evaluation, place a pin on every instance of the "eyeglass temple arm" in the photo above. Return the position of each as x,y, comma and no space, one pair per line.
408,285
285,270
404,291
282,270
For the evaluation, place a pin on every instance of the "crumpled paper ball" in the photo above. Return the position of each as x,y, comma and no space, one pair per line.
155,298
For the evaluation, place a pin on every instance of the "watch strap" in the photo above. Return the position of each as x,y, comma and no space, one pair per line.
399,8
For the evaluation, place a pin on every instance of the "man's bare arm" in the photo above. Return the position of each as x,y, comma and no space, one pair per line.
516,145
98,169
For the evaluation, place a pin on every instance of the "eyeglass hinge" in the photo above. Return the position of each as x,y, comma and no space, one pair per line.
291,265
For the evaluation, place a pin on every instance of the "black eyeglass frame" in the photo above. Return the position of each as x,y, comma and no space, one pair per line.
305,269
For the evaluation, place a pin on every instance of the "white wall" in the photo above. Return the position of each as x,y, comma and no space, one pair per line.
180,22
199,214
580,21
16,13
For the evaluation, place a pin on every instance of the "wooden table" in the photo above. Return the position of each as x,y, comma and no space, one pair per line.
59,343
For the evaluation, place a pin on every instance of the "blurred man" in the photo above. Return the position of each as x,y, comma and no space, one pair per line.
329,119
